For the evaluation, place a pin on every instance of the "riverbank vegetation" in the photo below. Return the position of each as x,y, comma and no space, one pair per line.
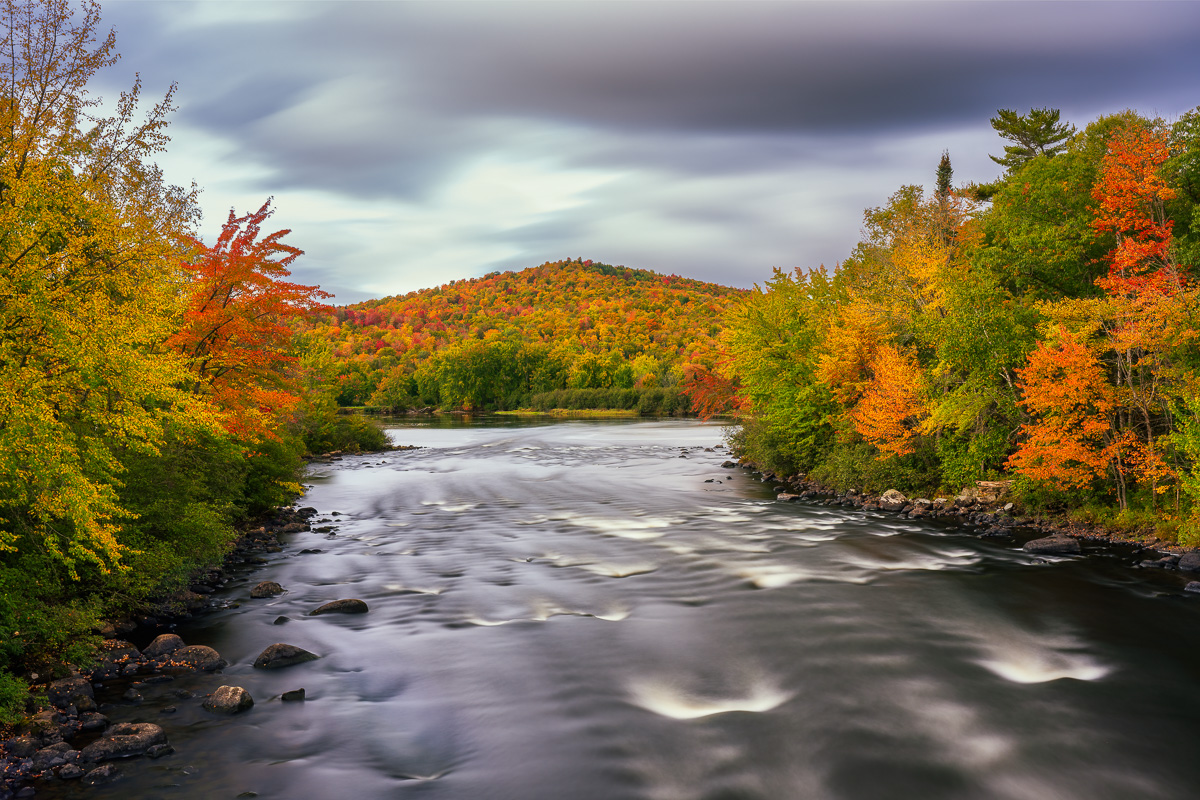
1043,328
153,394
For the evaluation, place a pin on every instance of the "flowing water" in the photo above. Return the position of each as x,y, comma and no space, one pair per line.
600,611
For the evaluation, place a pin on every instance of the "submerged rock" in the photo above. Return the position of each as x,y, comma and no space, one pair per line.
292,696
283,655
348,606
228,700
1057,544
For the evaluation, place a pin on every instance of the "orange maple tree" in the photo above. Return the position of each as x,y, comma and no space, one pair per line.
891,402
1130,197
236,331
1068,445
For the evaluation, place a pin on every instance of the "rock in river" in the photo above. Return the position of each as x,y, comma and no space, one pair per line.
1190,561
229,700
348,606
123,740
198,657
266,589
283,655
1057,544
163,645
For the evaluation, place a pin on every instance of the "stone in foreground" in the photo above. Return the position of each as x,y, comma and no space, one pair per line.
228,700
283,655
124,740
348,606
1054,545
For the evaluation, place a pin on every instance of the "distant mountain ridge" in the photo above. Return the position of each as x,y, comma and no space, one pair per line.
652,323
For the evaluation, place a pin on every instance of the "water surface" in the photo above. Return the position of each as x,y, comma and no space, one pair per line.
600,611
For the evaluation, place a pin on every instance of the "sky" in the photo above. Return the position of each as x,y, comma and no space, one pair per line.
409,143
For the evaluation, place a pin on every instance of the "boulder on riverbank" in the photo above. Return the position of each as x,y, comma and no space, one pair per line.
124,740
892,500
348,606
228,700
74,691
116,656
283,655
1054,545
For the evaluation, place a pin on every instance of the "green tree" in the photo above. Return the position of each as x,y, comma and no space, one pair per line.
1038,133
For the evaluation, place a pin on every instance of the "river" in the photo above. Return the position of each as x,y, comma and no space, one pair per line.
592,610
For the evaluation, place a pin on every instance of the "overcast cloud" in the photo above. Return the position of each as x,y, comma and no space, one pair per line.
411,143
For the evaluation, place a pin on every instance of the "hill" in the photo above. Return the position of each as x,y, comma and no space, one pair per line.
499,340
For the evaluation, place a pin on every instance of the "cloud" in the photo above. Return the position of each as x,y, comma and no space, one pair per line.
410,143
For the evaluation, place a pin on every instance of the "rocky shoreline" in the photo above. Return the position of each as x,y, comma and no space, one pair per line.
72,739
985,508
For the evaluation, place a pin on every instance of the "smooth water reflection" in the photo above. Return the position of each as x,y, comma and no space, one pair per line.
597,610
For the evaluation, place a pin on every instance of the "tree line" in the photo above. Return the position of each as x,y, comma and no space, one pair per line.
1042,327
153,393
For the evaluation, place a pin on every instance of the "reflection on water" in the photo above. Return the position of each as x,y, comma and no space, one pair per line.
572,610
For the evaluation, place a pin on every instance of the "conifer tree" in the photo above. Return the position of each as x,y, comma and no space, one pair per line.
1038,133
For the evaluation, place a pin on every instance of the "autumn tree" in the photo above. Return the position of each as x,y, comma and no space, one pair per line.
89,242
236,335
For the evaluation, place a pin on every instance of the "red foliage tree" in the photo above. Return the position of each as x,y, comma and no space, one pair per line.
236,328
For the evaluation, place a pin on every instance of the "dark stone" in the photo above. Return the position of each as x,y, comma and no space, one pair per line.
310,551
22,747
728,465
292,696
280,620
1190,561
163,645
123,740
283,655
54,756
168,710
160,750
101,774
1193,586
306,512
157,679
1057,544
132,696
201,588
70,772
266,589
348,606
25,791
75,691
197,657
115,655
294,527
228,700
91,722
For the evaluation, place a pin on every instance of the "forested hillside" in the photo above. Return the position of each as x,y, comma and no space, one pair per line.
498,341
1042,328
